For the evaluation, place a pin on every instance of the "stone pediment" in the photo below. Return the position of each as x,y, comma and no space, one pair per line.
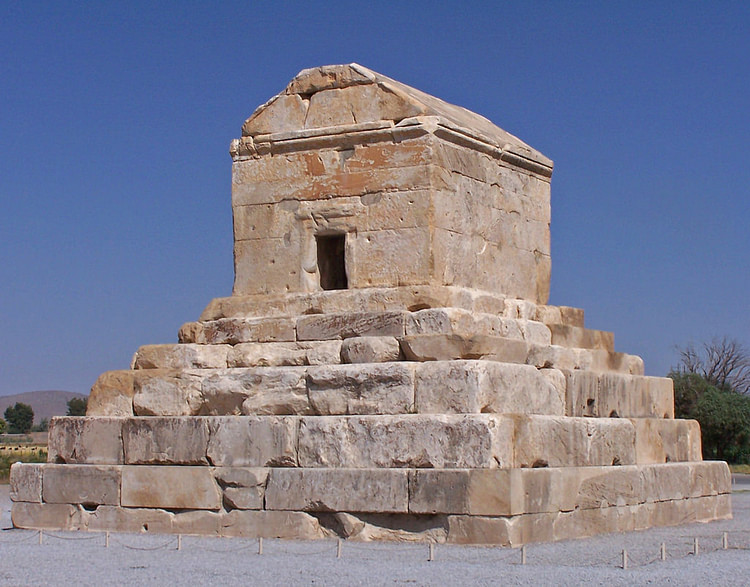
324,99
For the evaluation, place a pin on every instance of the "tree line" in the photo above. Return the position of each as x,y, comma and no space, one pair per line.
19,418
712,386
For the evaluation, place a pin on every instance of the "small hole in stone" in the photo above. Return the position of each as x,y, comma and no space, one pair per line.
614,414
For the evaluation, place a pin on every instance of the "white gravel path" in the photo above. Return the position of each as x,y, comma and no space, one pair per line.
81,558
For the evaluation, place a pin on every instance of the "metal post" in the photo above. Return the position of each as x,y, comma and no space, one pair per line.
523,554
663,551
179,542
260,544
106,539
40,536
432,552
624,559
695,546
725,540
338,548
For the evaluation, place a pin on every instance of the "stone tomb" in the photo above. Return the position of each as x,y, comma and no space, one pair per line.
387,366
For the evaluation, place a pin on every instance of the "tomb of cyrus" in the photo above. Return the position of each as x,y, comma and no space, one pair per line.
387,366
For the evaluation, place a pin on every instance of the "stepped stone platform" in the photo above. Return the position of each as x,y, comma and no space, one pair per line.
387,366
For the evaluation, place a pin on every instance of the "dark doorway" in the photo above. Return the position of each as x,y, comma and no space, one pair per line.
331,262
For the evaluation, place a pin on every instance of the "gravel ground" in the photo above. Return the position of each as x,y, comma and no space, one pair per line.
135,559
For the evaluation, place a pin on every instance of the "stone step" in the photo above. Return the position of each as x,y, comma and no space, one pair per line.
398,324
581,338
406,441
506,506
370,349
608,395
460,386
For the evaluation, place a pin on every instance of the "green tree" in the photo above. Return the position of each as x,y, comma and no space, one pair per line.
724,417
3,426
43,426
77,406
20,418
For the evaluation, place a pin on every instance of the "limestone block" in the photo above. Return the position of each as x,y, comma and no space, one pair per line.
84,484
487,387
542,441
271,524
251,441
119,519
181,356
269,265
272,354
370,349
171,487
475,492
480,530
560,315
26,482
89,440
521,309
416,441
167,393
356,104
333,326
574,336
607,361
198,522
446,347
398,527
50,516
243,488
282,113
372,388
709,478
666,481
553,356
395,210
112,395
381,259
349,490
664,441
237,330
460,322
618,395
177,441
260,390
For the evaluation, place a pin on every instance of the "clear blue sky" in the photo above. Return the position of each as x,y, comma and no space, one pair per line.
116,118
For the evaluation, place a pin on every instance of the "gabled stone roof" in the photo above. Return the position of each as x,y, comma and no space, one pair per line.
336,96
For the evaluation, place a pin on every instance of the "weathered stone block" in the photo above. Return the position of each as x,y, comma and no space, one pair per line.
584,338
348,490
112,394
167,393
487,387
553,441
447,347
370,349
253,441
50,516
375,388
175,441
26,482
664,441
243,488
170,487
120,519
331,326
412,441
273,354
181,356
237,330
86,440
84,484
271,524
260,390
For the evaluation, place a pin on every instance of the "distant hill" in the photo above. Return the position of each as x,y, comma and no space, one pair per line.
45,404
